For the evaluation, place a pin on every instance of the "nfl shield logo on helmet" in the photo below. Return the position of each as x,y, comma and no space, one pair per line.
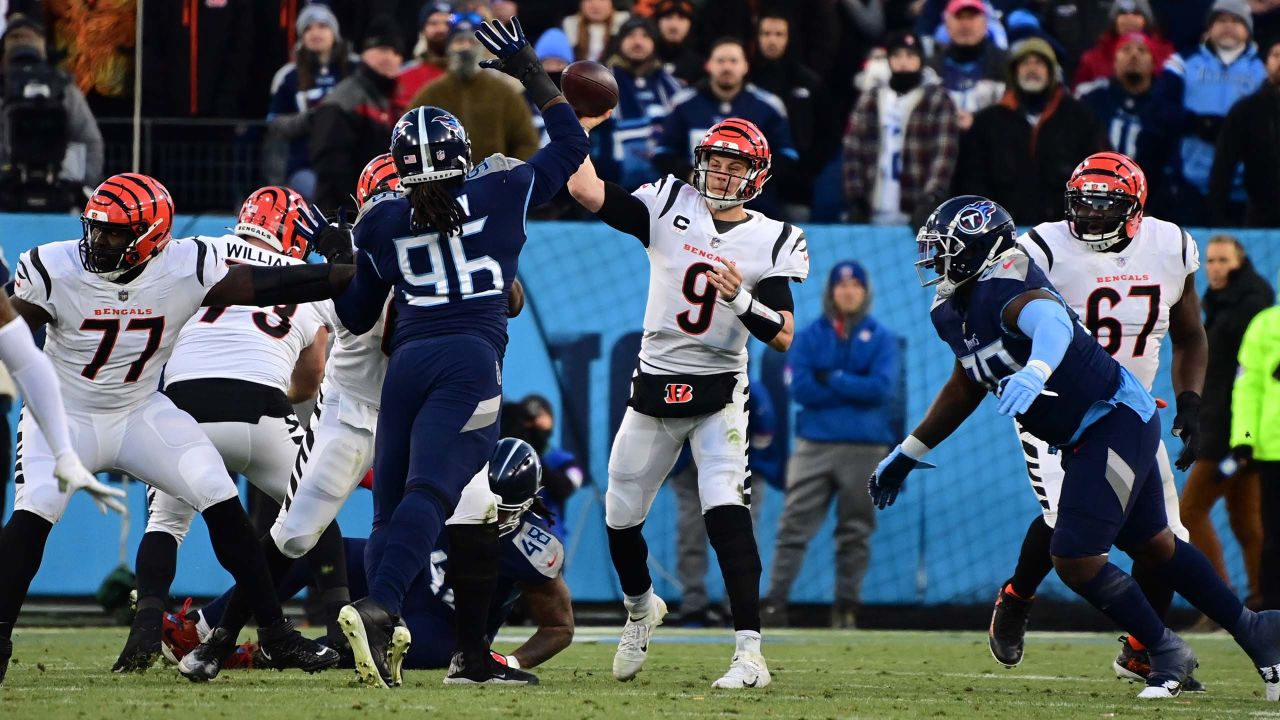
440,155
973,218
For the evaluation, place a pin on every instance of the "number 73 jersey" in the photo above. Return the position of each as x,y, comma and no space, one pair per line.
688,329
108,341
1123,297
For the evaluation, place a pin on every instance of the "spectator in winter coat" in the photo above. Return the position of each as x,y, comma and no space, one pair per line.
1021,151
1127,17
354,122
555,53
814,132
1120,103
844,371
591,28
495,113
1192,98
680,58
972,68
435,21
625,143
321,61
1236,294
197,57
1251,135
900,150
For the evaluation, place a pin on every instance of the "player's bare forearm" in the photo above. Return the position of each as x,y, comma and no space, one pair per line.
587,188
1190,343
782,341
954,403
308,371
287,285
36,316
551,607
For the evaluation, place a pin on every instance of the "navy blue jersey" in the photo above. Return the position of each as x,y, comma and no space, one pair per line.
989,350
458,284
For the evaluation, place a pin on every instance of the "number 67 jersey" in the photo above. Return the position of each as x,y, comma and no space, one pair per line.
688,329
1123,297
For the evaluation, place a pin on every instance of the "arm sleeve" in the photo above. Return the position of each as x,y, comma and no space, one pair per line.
1047,324
36,380
876,386
1247,394
359,307
562,156
625,212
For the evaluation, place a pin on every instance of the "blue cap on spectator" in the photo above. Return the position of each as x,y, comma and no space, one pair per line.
554,44
318,13
432,8
846,269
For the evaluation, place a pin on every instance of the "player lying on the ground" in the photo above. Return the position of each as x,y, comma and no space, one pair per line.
718,275
530,568
238,371
114,302
1013,336
1132,278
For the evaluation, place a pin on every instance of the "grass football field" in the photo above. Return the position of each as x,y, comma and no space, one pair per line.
63,673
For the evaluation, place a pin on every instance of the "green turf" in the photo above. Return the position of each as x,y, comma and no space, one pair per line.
62,673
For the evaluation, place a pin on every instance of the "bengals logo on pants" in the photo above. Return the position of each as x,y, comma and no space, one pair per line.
678,394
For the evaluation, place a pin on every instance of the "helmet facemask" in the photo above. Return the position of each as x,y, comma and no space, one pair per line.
741,188
1100,219
98,256
946,262
510,516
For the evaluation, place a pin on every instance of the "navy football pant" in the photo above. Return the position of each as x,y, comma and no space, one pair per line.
436,430
1112,492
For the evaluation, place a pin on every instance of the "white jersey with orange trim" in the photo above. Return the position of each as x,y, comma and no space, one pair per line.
255,344
688,328
108,340
1123,297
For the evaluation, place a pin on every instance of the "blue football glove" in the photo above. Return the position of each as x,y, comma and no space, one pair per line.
886,482
501,40
1019,390
517,58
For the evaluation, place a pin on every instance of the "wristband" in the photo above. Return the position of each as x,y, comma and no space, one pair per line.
914,448
1042,367
741,302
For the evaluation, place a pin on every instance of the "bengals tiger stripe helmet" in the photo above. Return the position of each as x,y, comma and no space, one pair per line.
378,176
739,139
1105,197
131,204
273,214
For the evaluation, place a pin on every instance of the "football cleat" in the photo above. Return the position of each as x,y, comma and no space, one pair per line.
368,627
747,670
1170,668
142,648
340,645
1008,629
486,672
400,642
6,652
1264,649
204,662
283,647
1135,665
179,633
633,646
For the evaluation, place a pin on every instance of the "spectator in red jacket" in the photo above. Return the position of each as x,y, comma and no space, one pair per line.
1127,16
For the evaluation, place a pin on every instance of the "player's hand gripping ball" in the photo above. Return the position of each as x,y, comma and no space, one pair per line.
590,88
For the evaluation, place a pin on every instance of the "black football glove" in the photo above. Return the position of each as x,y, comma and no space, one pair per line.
330,241
1186,425
516,57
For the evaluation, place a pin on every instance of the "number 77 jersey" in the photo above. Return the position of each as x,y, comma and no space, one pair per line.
688,328
1123,297
108,340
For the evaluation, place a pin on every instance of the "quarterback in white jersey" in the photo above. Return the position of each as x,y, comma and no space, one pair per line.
717,274
237,371
1132,281
114,302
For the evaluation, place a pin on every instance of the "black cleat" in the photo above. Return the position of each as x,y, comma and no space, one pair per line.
1135,665
142,649
346,661
6,652
204,663
368,627
1008,629
283,647
487,671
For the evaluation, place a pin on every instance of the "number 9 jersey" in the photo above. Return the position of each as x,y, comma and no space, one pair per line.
109,340
688,328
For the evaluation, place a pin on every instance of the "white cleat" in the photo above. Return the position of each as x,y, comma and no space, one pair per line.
1271,679
401,640
748,670
633,646
1167,689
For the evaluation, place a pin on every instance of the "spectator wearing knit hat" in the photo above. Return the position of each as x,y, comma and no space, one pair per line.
1121,102
1251,135
1127,17
674,19
1021,151
625,143
972,68
555,53
321,60
1192,97
434,22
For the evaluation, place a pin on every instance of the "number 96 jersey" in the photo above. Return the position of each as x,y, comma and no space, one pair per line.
1123,297
108,340
688,328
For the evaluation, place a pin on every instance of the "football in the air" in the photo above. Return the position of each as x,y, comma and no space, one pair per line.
590,88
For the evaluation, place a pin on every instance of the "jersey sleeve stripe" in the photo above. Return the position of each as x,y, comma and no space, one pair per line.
1044,247
1185,239
201,252
44,273
676,187
782,239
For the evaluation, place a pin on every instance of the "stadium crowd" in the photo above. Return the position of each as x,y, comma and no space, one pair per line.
876,109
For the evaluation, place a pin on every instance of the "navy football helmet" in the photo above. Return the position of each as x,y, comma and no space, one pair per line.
962,238
515,476
430,144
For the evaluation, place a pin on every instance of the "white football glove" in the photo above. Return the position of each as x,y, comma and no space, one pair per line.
73,476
